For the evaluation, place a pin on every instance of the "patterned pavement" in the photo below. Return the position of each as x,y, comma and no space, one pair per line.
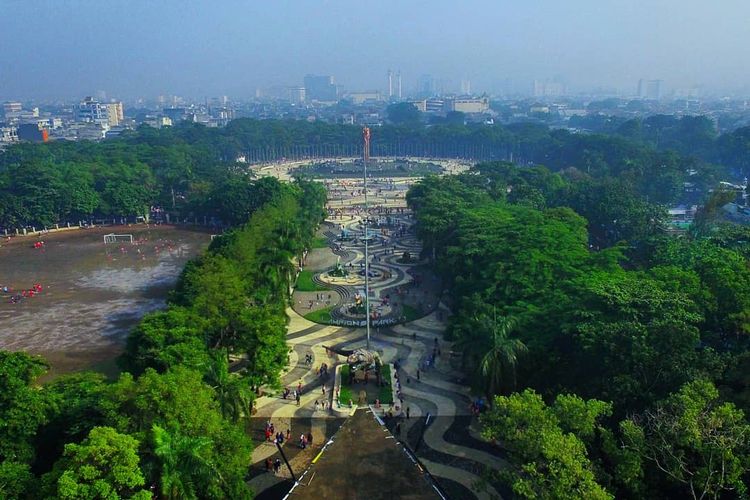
449,447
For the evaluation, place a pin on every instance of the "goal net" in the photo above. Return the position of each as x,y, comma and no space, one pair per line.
115,238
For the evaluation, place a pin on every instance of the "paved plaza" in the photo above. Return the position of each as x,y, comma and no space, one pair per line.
450,447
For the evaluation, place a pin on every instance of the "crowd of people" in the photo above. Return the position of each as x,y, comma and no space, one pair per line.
16,297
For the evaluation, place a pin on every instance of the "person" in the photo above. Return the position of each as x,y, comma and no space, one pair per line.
269,464
298,399
276,466
288,434
302,441
408,412
317,405
398,429
419,377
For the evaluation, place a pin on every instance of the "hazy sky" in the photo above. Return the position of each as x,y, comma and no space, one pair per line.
130,48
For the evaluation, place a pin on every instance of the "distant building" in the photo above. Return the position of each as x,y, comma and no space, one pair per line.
320,88
175,114
469,105
546,88
8,135
649,89
362,97
425,86
11,109
115,113
420,104
297,95
434,105
465,87
158,121
32,132
89,110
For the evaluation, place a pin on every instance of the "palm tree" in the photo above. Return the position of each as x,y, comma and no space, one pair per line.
499,363
233,394
184,470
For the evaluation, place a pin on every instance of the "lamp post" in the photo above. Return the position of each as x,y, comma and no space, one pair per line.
365,158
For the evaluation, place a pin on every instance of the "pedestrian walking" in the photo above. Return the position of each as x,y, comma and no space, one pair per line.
408,412
298,399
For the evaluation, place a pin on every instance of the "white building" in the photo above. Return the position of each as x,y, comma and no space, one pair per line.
92,111
362,97
11,109
8,135
469,105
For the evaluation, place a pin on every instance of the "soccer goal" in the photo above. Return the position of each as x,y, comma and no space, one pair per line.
114,238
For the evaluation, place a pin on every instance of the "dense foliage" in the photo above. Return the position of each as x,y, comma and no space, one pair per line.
172,425
595,302
192,170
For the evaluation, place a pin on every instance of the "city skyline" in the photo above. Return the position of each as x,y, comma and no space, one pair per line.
199,49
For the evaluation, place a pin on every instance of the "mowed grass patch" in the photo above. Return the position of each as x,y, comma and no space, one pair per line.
320,242
320,316
305,283
410,313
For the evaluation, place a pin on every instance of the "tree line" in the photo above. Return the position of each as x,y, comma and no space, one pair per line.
173,424
189,169
614,354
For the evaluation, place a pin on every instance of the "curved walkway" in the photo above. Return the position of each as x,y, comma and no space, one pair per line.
436,390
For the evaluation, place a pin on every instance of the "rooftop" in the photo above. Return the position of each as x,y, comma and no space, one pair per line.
364,461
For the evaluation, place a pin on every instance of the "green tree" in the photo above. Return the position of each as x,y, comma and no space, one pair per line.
403,113
488,341
185,467
233,392
16,480
547,462
180,402
103,466
694,441
22,406
165,339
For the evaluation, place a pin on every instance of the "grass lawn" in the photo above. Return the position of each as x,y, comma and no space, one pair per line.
305,283
411,313
320,316
320,242
384,394
345,393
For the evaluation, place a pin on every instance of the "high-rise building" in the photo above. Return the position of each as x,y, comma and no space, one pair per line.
425,86
115,113
297,95
92,111
649,89
465,87
547,88
320,88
